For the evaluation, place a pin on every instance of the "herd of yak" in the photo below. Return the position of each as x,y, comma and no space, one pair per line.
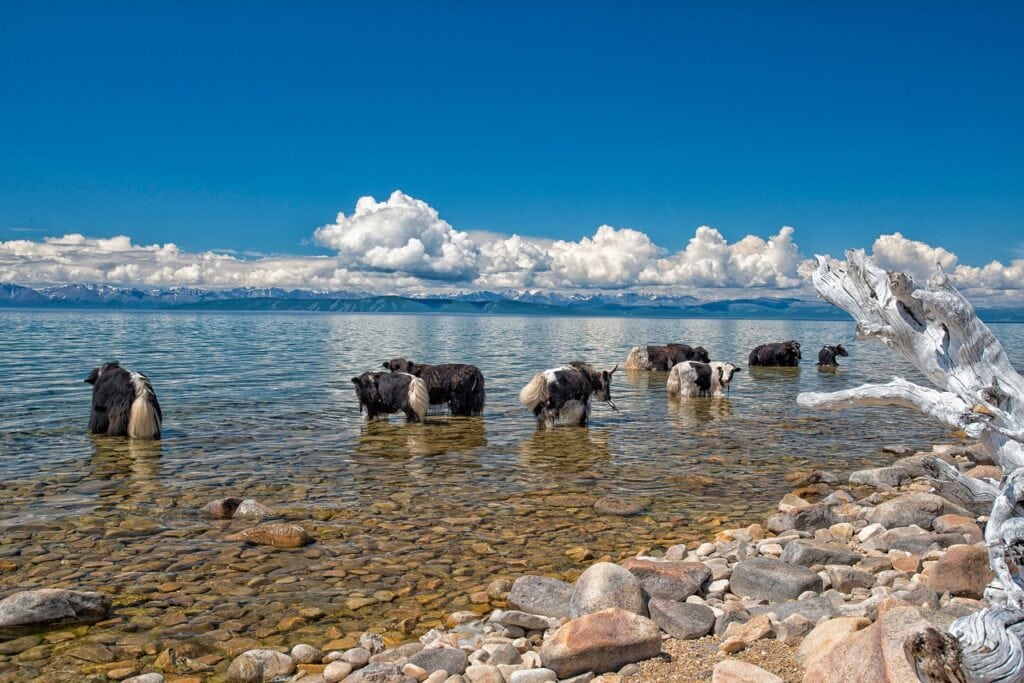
124,403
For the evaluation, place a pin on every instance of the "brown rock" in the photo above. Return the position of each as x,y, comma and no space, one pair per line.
963,571
958,524
222,508
276,535
599,642
910,563
736,671
669,580
823,637
871,654
982,471
755,629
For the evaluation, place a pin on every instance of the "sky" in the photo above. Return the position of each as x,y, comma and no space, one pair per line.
693,147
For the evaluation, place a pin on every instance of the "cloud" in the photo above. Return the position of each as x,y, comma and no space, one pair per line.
402,244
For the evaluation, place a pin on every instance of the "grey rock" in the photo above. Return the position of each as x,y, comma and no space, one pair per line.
812,608
530,622
541,595
914,508
257,666
373,642
356,656
604,585
921,543
436,658
807,553
378,672
845,579
48,607
682,620
600,642
881,477
731,612
483,673
533,676
305,654
771,579
505,653
804,519
145,678
669,580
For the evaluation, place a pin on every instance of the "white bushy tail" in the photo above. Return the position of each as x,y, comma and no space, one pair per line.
638,359
419,397
534,393
674,383
143,420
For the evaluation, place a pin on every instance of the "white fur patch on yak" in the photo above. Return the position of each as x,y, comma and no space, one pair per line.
143,420
638,359
419,397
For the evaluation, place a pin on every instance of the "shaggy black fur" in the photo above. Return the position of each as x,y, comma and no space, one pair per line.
664,357
578,382
827,355
779,354
112,396
703,381
459,386
383,393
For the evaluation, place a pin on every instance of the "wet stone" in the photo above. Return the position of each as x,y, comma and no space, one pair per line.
620,505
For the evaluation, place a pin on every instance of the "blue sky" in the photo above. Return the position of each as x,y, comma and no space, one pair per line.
246,126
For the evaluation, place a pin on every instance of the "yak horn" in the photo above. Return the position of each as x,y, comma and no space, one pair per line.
614,369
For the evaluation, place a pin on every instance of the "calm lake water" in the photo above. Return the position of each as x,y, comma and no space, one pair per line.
410,520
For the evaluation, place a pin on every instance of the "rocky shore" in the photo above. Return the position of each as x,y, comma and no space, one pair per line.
826,589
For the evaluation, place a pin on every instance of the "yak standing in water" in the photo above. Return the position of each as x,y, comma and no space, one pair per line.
383,393
827,355
459,386
664,357
692,378
123,403
784,354
565,392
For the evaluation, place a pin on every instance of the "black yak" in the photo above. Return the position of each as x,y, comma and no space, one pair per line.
383,393
827,355
785,354
693,378
459,386
664,357
566,392
123,403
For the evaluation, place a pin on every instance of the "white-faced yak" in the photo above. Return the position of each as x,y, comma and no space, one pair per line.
458,386
693,378
663,357
383,393
565,393
827,355
786,354
123,403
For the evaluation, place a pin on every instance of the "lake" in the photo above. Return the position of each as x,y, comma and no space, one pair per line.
410,520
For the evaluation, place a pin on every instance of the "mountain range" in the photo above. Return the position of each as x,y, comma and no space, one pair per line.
506,302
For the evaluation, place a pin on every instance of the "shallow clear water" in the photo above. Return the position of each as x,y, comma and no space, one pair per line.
260,405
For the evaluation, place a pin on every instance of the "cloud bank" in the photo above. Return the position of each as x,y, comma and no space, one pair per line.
402,244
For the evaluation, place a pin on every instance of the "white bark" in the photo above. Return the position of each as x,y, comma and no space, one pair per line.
937,331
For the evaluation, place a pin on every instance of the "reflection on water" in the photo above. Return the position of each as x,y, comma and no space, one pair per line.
409,518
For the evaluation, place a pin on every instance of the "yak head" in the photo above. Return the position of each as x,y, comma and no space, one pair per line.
794,347
367,389
725,373
94,376
603,388
701,354
840,351
400,365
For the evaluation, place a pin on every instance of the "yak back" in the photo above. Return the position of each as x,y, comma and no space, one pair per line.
112,396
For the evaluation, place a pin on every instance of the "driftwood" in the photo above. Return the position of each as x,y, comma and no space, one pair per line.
977,390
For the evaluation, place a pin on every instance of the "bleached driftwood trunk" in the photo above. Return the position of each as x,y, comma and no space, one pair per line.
979,392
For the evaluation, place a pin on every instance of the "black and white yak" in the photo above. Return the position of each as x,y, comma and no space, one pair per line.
664,357
827,355
459,386
384,393
693,378
566,392
784,354
123,403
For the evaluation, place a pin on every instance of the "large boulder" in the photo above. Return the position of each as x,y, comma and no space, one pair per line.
872,654
881,477
682,620
826,635
668,580
804,519
433,659
914,508
771,579
604,585
807,553
47,607
599,642
258,666
541,595
963,571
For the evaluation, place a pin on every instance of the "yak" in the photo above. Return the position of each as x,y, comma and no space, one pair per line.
565,392
663,357
459,386
123,403
827,355
785,354
383,393
693,378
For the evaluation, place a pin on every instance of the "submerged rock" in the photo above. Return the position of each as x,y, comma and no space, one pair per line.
276,535
45,607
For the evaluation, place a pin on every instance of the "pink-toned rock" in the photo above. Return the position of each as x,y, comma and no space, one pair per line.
872,654
668,580
910,563
963,571
736,671
985,471
276,535
222,508
823,637
599,642
958,524
754,629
